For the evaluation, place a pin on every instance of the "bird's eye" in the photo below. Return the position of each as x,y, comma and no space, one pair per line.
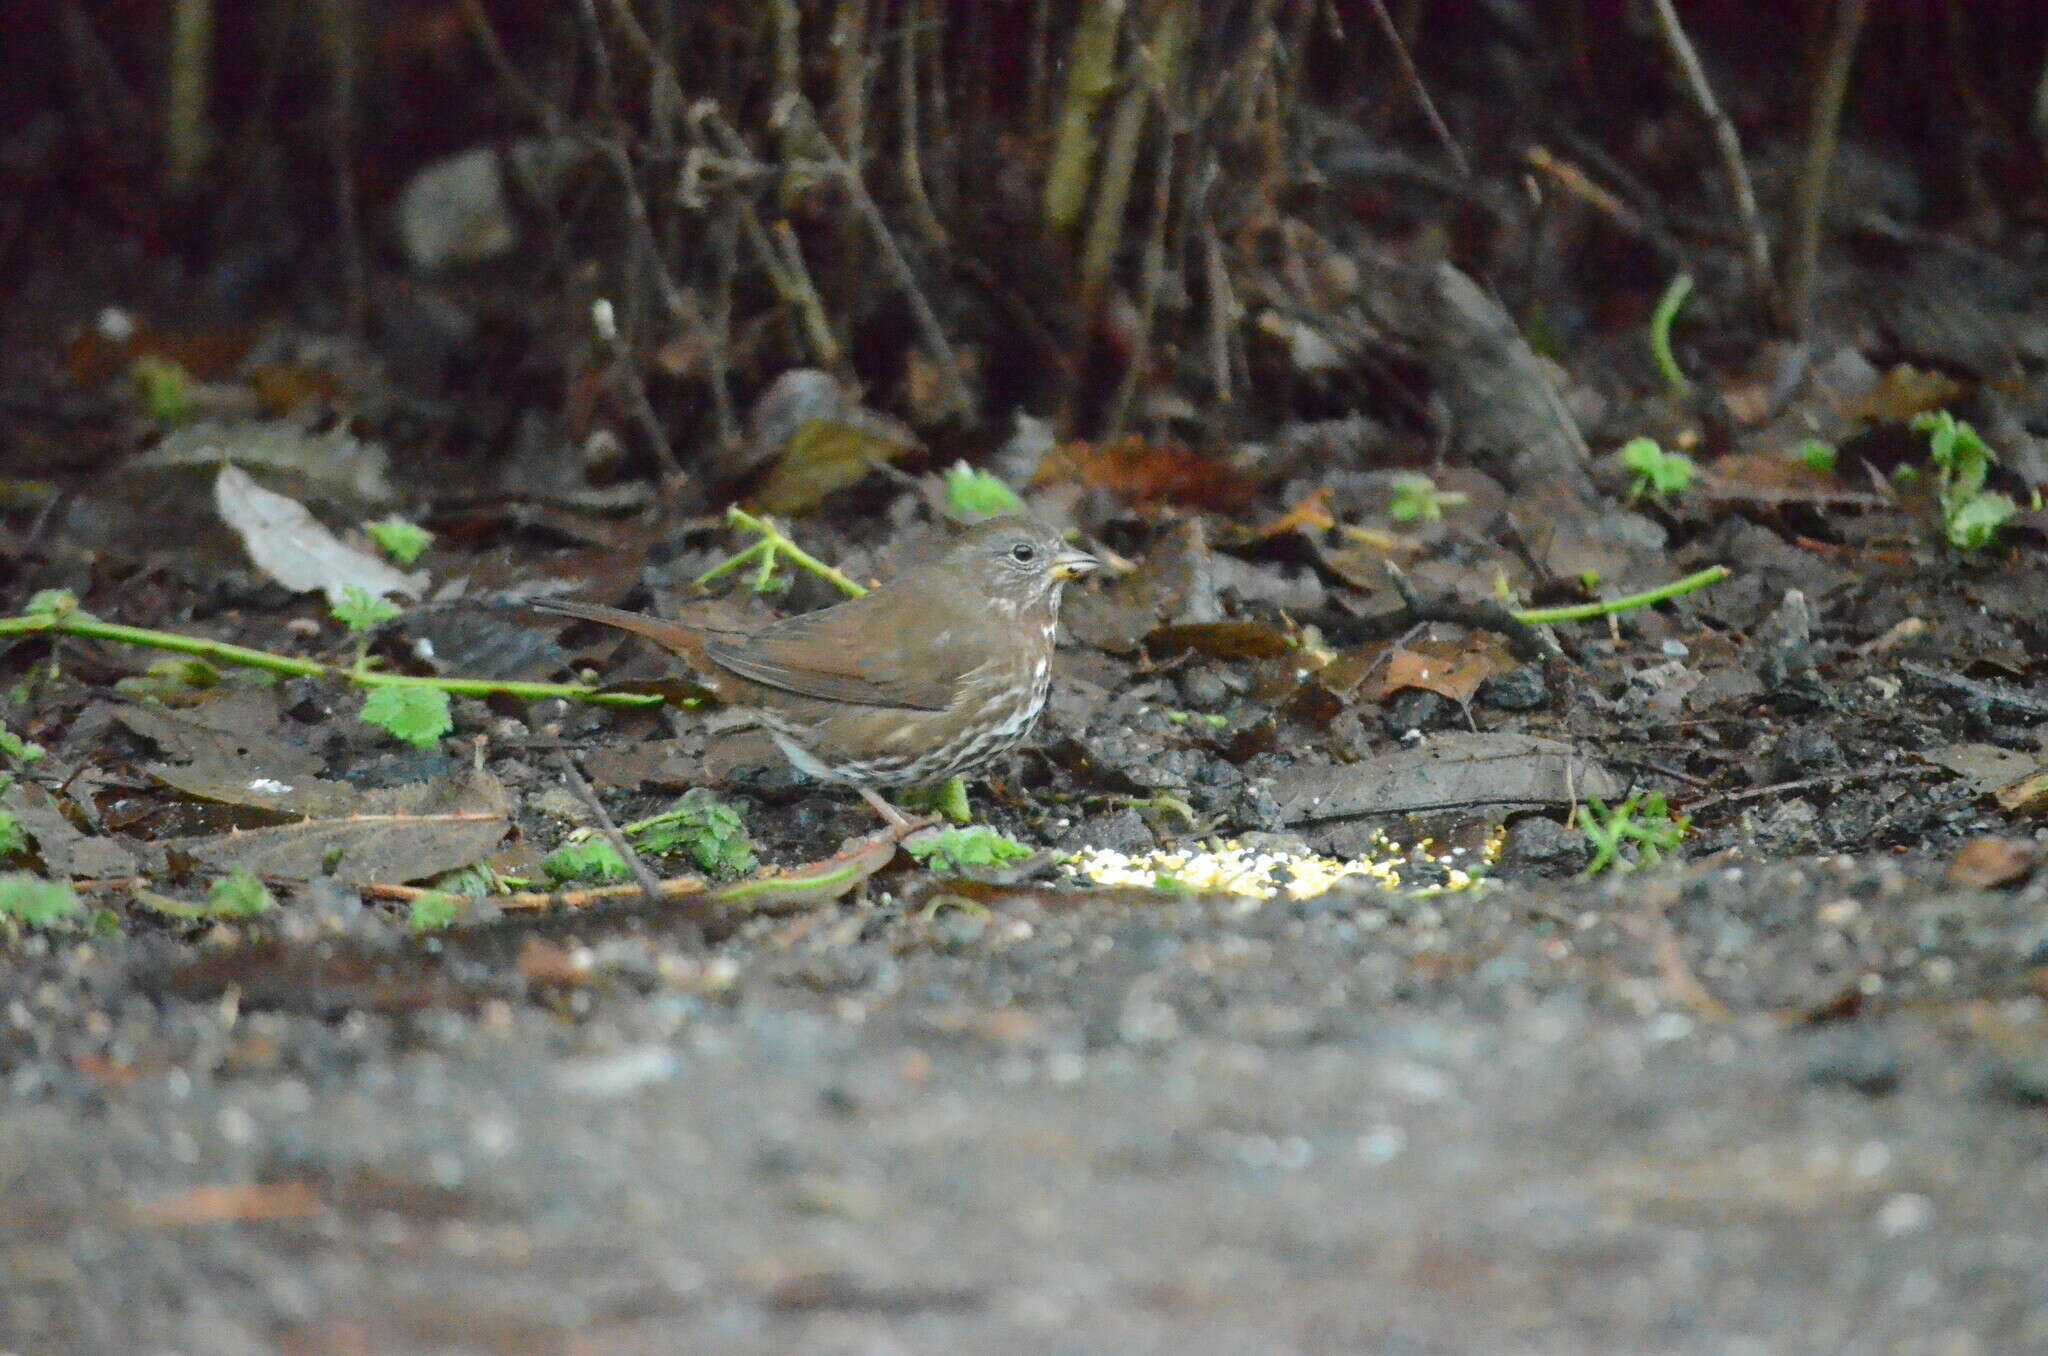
1023,553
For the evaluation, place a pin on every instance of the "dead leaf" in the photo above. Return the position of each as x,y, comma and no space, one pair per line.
1173,585
818,440
236,727
1902,392
1987,863
67,851
1310,514
1452,769
1453,670
1986,767
1149,473
1222,640
329,465
403,833
290,545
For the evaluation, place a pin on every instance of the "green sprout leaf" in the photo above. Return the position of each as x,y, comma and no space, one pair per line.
416,715
13,838
1816,455
949,798
978,847
170,678
51,603
238,895
1970,515
1645,822
435,910
165,387
361,611
1416,499
20,750
705,827
37,902
1975,522
586,856
1655,471
399,539
972,495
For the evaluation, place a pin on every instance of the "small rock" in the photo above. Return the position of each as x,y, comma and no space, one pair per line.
1522,688
1416,709
1540,844
1803,753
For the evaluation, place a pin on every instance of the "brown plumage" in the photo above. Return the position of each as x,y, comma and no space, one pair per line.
941,668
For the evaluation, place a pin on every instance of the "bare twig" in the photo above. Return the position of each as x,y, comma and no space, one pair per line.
1091,74
1151,74
1412,77
1151,278
910,152
649,883
939,348
340,26
1761,278
187,135
1811,197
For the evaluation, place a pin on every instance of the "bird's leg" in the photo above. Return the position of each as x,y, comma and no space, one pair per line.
898,821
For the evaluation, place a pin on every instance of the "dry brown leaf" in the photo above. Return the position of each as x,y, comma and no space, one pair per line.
1453,670
1149,473
1987,863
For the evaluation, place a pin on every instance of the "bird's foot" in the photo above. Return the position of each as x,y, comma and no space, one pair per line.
900,824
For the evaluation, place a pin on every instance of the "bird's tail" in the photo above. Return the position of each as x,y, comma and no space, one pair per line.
687,641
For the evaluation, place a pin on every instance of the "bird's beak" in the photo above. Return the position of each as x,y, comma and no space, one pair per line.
1072,564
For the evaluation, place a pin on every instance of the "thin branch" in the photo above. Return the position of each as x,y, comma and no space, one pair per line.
1761,277
1822,130
939,348
649,883
1412,76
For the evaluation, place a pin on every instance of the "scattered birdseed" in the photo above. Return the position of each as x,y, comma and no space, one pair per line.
1229,867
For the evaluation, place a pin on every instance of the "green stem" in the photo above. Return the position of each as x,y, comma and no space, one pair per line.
1660,334
241,656
1546,616
733,562
773,539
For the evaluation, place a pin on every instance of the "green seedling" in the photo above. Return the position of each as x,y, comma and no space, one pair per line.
399,539
972,495
361,611
1655,471
13,838
166,389
435,910
418,716
948,798
51,603
1645,822
1970,514
976,848
1416,499
586,856
1817,455
32,901
15,747
705,827
238,895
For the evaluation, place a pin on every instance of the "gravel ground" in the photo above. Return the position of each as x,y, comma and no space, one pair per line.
1519,1123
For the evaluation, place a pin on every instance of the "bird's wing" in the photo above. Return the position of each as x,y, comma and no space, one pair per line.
836,654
